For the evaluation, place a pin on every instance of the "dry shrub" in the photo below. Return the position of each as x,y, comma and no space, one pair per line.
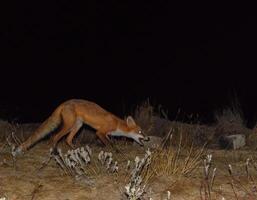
193,133
251,140
152,119
14,134
143,115
160,126
202,134
230,121
155,122
175,160
5,129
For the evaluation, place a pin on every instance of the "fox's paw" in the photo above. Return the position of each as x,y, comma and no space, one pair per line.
16,151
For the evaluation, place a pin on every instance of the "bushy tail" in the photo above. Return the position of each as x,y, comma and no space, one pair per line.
43,130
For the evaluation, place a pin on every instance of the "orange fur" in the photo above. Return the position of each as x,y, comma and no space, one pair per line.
72,114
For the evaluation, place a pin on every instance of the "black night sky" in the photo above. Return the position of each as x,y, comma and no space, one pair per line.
190,57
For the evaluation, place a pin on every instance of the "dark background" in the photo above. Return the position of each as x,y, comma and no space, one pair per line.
192,57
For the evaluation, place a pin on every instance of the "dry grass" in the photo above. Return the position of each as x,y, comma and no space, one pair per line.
156,123
179,160
176,166
6,129
240,180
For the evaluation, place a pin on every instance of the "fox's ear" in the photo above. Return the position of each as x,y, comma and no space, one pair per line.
130,121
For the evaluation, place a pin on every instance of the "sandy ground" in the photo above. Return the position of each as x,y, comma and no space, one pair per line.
23,179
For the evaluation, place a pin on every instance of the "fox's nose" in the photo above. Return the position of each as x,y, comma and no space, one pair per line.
146,138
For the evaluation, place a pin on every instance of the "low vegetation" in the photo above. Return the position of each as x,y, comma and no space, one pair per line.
188,163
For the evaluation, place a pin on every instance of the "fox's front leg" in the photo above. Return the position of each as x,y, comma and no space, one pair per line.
106,140
103,138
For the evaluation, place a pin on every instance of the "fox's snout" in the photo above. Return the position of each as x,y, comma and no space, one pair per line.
146,138
141,139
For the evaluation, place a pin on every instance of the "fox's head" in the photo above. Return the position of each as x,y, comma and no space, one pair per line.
132,131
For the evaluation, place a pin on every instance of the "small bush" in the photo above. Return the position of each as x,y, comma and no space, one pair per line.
230,121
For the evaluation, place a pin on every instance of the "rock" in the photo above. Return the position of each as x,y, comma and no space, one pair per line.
232,141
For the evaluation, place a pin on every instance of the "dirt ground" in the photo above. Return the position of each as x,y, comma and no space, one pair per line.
24,178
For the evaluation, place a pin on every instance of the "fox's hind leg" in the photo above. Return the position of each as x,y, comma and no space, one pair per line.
68,119
73,132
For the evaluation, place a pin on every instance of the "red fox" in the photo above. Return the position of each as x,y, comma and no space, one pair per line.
73,113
